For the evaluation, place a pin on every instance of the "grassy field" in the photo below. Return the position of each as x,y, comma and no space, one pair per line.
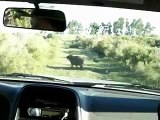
35,54
104,69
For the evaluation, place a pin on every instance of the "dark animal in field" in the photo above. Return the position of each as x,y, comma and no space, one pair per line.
76,60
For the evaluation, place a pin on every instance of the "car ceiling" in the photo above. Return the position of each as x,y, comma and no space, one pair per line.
149,5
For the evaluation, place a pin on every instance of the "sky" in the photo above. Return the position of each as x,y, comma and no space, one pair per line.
88,14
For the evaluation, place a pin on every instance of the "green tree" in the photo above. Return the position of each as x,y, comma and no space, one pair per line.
94,27
132,27
75,27
72,26
109,28
80,28
128,28
115,28
139,27
148,28
118,26
121,24
106,28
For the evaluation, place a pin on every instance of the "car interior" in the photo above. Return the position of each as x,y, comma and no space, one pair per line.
26,99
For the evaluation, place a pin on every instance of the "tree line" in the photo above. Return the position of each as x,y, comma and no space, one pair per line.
121,26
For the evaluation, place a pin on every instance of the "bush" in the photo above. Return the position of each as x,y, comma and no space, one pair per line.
18,62
28,55
82,42
150,75
107,47
137,53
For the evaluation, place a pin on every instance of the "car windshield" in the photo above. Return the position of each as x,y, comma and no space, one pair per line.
99,43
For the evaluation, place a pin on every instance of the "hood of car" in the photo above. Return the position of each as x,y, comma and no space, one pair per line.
85,81
54,79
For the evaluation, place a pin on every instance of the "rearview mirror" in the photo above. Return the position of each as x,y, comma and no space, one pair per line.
39,19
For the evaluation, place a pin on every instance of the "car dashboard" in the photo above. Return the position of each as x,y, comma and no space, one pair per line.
34,101
37,102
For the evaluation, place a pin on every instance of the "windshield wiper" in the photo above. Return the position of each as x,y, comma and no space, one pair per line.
33,77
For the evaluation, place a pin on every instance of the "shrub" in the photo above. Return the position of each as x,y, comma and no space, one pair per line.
28,55
82,42
137,53
108,47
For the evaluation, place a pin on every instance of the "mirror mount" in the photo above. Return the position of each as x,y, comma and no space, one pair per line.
36,6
